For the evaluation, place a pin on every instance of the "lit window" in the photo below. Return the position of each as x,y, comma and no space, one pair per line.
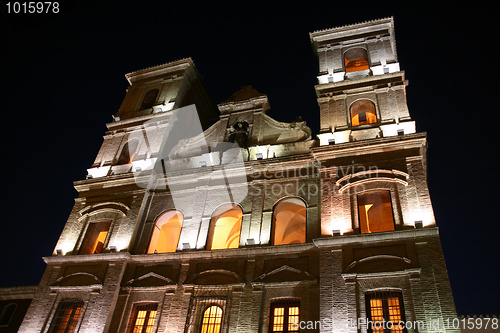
128,152
95,237
385,312
7,314
225,228
363,112
149,99
166,232
142,318
356,60
212,320
375,211
66,317
284,316
289,222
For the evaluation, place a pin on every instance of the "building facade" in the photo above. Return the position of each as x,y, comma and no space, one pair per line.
196,218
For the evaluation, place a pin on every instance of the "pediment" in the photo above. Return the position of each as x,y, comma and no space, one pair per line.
77,279
379,263
150,279
215,277
285,273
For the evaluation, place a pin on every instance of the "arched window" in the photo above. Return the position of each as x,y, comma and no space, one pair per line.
7,314
149,99
128,152
375,211
95,237
363,112
356,59
166,232
66,317
289,222
225,227
212,319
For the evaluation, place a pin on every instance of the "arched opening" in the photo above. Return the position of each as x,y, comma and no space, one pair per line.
166,232
363,112
289,222
95,237
212,319
149,99
375,211
356,59
128,152
7,314
225,227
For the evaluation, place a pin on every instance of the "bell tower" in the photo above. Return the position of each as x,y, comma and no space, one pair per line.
361,90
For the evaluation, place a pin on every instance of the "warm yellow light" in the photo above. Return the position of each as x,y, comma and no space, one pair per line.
226,233
289,222
166,232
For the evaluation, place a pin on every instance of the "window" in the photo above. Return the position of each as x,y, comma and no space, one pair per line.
225,227
66,317
384,312
212,320
363,112
375,211
166,232
142,318
95,237
7,314
284,316
289,222
128,152
149,99
356,59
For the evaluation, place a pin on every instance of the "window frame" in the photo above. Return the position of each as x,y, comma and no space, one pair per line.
86,234
221,321
59,314
155,228
217,213
134,313
274,219
286,303
393,213
360,126
384,296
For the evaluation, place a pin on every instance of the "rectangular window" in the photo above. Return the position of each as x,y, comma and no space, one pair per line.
66,317
385,312
142,318
95,237
375,211
284,316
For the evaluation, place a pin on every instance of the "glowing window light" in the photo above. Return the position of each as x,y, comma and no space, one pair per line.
284,316
166,232
289,222
225,228
212,320
356,59
66,317
363,112
95,237
375,211
384,307
128,152
142,318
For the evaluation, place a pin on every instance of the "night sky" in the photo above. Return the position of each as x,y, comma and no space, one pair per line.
63,77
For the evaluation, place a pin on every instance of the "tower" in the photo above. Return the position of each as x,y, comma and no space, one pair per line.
247,224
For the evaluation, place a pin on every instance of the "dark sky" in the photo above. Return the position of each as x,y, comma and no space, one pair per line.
63,77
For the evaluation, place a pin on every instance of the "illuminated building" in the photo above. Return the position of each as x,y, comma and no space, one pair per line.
250,224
